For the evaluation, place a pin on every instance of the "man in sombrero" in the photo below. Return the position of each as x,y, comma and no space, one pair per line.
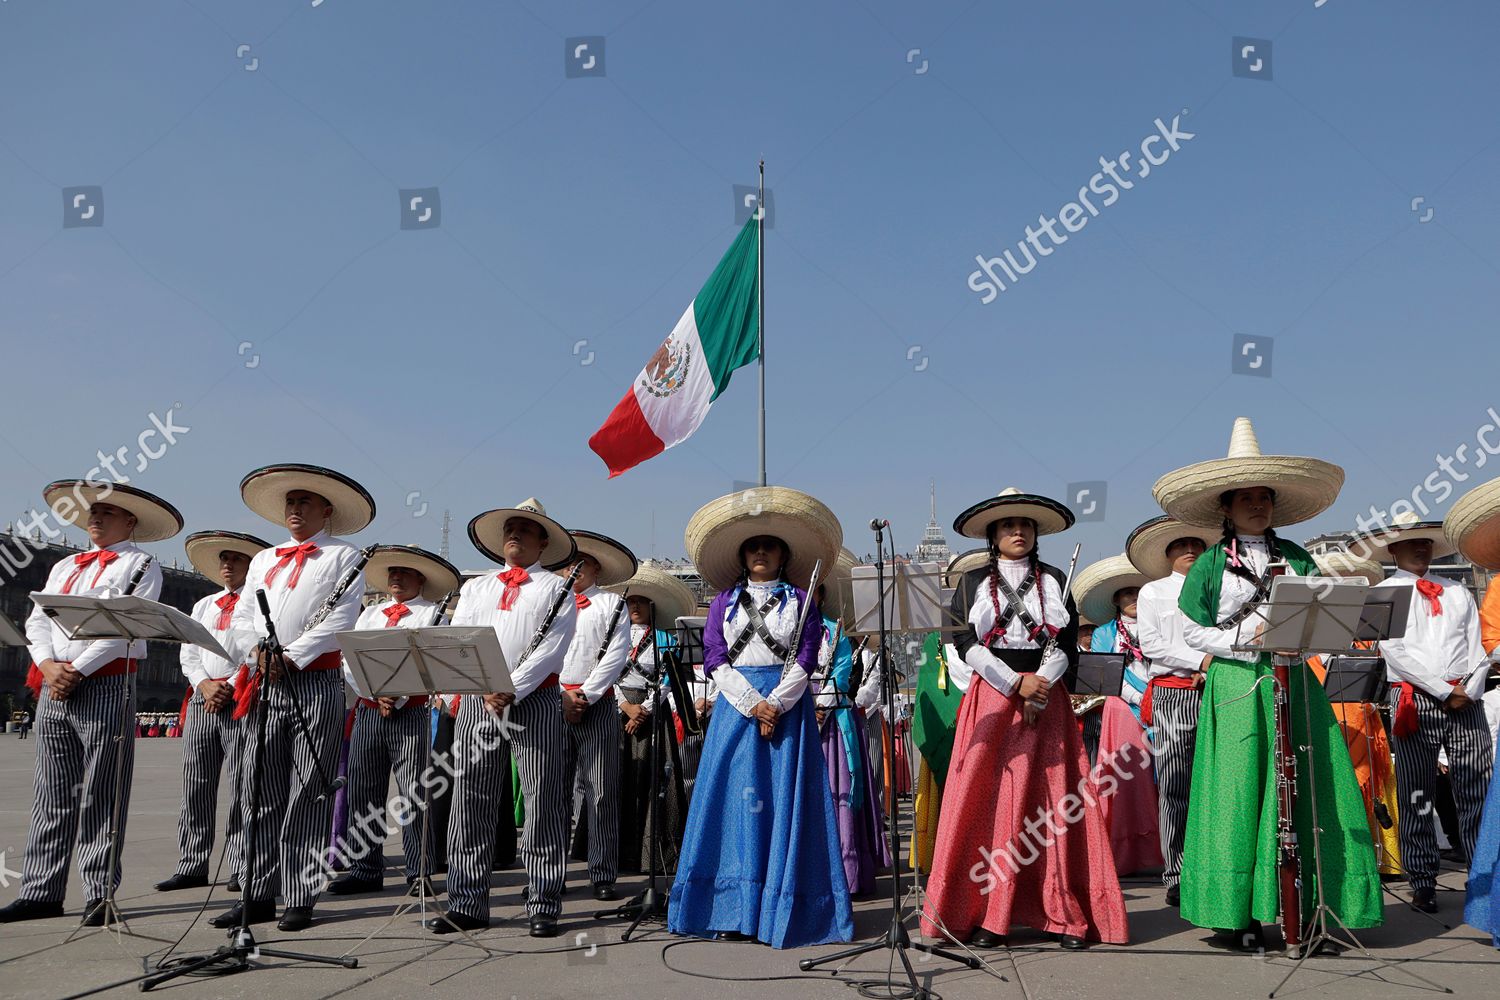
594,661
532,612
304,702
83,692
212,738
391,734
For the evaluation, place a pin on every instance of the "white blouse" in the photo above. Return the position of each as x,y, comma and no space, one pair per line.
781,622
982,618
1234,592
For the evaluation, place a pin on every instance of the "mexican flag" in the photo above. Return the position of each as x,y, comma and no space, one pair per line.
672,394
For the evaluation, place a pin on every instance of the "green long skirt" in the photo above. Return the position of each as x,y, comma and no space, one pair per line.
1229,865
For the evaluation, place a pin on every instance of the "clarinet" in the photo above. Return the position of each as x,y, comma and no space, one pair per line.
796,638
614,623
552,613
338,592
135,581
442,606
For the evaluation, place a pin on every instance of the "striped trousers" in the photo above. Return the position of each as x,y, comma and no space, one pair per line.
376,748
592,755
536,740
77,741
1174,721
1466,736
211,744
292,818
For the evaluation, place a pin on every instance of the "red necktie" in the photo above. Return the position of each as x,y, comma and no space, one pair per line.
582,601
102,556
226,605
287,554
513,577
394,614
1431,590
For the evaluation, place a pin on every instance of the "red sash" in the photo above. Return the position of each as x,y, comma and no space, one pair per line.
114,668
1166,681
247,684
1405,721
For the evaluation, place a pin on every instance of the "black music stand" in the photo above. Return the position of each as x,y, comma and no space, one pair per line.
10,634
1099,673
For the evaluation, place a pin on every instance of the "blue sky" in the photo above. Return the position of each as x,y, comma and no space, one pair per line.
260,206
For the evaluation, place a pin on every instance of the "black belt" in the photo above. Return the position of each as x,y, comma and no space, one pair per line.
1022,661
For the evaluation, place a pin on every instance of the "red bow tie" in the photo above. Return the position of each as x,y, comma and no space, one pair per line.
582,601
513,578
102,556
287,554
394,614
1431,590
226,605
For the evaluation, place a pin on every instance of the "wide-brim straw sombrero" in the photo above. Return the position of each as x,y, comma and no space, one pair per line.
1049,515
1473,525
1305,487
838,588
264,492
1095,587
672,598
442,577
1147,545
70,500
487,532
1404,527
963,563
616,563
203,548
1344,566
715,533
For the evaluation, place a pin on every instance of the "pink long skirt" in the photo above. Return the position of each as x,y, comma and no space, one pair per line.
1130,814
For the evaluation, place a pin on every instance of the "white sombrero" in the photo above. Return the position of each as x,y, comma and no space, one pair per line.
1049,515
442,577
616,563
70,500
671,597
1344,566
1473,525
203,548
715,533
1095,587
1305,487
487,532
264,492
963,563
1404,527
1147,545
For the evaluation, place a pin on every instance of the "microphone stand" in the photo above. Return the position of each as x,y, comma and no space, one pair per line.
271,644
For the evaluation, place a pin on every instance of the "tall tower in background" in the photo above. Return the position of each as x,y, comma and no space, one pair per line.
934,546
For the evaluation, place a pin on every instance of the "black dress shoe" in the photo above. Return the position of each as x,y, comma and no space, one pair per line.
182,882
605,892
414,887
1425,900
1071,942
262,911
986,939
296,918
451,922
30,909
543,926
232,886
736,936
348,885
1251,940
94,912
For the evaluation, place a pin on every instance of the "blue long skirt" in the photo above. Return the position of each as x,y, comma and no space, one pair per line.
761,854
1482,906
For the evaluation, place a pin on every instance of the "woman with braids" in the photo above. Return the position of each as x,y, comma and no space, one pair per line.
1021,838
761,858
1229,867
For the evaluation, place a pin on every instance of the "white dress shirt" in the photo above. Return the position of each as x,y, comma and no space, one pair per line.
292,607
1160,633
583,665
479,604
1437,649
636,675
1234,592
199,665
781,622
982,618
47,641
419,615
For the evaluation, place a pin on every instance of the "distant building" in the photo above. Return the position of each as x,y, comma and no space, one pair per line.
934,546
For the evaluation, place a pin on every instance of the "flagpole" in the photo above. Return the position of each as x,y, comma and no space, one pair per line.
760,288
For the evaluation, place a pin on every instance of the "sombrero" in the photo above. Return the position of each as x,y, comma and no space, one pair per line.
155,519
1147,545
1095,587
616,562
1049,515
671,596
442,577
487,532
838,598
1345,565
203,548
1305,487
714,534
1473,525
1404,527
264,492
963,563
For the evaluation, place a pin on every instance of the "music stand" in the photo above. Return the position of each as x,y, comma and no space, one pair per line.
1099,673
408,662
10,634
131,618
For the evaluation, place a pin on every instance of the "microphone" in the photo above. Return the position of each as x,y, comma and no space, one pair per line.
879,522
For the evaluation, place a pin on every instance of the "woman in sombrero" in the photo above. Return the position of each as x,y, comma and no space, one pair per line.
1017,842
761,858
1229,868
